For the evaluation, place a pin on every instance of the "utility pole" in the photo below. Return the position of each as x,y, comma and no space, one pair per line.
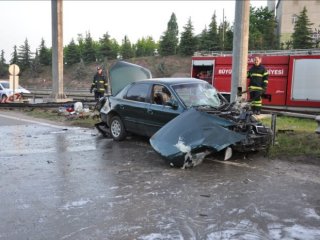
240,47
223,29
57,94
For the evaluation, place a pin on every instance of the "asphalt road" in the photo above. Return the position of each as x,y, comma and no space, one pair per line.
60,182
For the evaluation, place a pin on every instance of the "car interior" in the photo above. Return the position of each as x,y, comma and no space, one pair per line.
161,95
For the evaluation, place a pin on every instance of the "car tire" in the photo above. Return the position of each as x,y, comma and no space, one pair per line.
3,97
117,129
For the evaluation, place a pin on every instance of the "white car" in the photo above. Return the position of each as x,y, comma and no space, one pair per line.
6,92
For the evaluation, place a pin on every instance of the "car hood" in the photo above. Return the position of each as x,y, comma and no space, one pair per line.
180,138
123,73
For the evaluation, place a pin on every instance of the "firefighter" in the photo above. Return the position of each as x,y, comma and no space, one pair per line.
99,84
258,76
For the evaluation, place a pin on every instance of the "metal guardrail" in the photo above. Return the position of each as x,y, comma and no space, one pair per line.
76,95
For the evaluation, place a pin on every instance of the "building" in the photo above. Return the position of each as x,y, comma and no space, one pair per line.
287,12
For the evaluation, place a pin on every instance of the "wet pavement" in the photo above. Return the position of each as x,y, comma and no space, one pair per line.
60,182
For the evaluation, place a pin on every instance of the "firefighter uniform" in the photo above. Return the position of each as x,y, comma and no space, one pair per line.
99,84
257,86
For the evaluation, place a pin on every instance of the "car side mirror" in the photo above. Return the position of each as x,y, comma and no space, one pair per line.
172,103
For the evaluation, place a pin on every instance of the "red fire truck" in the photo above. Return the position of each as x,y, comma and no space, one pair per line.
294,80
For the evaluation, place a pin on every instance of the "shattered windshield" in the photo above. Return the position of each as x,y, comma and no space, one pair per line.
198,95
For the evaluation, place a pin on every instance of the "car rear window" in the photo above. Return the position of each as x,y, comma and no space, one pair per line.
138,92
5,84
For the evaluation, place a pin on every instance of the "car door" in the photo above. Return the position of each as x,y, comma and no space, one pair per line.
160,112
133,108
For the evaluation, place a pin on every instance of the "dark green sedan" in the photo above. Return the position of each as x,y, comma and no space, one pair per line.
185,118
143,107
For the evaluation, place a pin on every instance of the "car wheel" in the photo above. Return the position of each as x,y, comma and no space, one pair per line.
3,97
117,130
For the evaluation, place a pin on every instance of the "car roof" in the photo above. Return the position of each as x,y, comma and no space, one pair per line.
172,81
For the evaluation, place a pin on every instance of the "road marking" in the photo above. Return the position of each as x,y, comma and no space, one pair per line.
34,121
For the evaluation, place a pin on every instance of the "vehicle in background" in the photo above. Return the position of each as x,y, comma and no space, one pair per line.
294,78
6,92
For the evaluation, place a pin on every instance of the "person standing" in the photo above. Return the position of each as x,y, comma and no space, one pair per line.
258,76
99,84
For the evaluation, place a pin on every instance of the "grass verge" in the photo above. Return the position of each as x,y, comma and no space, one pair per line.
294,137
82,120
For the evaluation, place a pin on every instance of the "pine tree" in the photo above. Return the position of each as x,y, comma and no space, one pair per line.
127,50
25,55
44,54
213,39
203,40
71,53
2,59
14,59
301,37
89,53
3,65
106,49
35,65
168,43
188,41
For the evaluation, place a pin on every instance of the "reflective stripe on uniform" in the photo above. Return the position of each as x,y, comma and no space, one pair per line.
255,88
256,75
256,103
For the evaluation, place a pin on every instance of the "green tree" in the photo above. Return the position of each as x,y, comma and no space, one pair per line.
80,72
2,59
14,56
202,39
89,53
225,36
302,35
80,45
71,53
262,27
35,65
145,47
212,35
3,65
106,48
24,55
115,48
188,42
44,54
168,43
126,50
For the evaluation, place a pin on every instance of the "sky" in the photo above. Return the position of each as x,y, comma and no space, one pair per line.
21,20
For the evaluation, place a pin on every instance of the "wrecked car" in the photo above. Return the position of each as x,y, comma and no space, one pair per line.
185,118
